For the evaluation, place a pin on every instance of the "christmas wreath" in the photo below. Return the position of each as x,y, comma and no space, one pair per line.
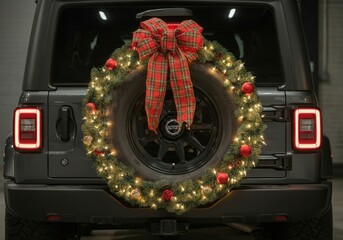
177,196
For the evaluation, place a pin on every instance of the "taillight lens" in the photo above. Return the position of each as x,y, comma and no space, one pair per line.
307,129
28,129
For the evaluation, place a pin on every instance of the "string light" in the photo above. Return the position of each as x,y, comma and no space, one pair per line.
113,152
138,181
152,193
227,83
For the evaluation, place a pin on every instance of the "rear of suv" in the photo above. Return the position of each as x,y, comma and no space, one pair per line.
53,189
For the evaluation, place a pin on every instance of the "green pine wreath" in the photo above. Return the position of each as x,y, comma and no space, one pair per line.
183,195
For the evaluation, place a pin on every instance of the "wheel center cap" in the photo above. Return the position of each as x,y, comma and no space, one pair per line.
172,127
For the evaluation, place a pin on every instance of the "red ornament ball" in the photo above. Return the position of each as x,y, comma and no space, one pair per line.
111,64
222,178
99,152
245,150
167,195
91,107
248,88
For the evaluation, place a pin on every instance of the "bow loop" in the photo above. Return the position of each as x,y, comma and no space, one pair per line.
173,49
145,44
155,26
189,38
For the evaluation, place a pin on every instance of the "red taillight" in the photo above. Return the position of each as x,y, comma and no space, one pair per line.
28,129
53,218
307,129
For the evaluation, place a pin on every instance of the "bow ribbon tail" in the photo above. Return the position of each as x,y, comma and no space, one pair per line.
182,87
156,85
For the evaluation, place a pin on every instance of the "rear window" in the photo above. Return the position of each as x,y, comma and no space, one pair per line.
86,37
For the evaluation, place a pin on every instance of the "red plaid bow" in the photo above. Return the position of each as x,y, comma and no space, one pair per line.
171,48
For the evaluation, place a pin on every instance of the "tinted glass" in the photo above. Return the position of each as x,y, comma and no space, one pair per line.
87,36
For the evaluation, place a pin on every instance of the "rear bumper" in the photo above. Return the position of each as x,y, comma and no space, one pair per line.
93,204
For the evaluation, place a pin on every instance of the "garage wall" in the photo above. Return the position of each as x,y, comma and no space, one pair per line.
16,18
331,90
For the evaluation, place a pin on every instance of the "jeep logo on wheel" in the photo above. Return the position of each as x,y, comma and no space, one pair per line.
172,127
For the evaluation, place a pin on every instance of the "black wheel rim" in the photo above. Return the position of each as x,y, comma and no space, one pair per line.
175,150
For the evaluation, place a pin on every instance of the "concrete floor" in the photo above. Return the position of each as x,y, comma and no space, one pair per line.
204,233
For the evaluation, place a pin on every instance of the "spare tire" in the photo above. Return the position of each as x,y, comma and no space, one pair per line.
173,152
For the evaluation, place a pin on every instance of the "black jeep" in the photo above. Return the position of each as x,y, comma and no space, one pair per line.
62,180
